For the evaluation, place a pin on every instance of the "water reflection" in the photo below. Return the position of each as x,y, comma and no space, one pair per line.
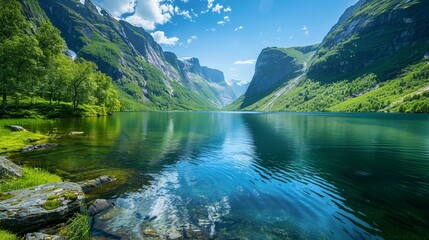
250,175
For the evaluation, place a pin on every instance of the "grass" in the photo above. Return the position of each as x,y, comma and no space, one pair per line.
5,235
31,177
15,141
77,228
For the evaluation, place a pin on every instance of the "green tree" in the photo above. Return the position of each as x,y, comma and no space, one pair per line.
81,84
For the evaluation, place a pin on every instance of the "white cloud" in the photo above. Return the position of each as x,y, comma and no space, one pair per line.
245,62
209,4
225,20
228,9
305,30
149,13
238,28
221,22
117,8
217,8
192,38
160,38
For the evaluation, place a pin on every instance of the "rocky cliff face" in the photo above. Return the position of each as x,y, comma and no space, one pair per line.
274,67
374,36
210,82
239,87
129,54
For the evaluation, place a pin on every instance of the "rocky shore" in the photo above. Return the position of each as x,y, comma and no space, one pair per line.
28,211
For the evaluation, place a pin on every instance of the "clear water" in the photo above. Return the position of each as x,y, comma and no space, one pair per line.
250,175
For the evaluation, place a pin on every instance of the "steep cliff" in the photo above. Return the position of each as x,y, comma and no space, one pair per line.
374,36
274,67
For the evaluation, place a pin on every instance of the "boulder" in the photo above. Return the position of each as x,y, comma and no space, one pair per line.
30,209
15,128
95,183
98,206
30,148
42,236
9,169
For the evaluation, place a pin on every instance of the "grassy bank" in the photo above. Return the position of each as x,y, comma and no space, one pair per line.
78,226
43,109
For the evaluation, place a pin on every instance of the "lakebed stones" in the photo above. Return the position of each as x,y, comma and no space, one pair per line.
9,169
95,183
42,236
98,206
34,208
15,128
30,148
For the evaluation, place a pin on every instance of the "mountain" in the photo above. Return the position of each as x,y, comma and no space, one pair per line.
207,81
374,59
274,67
143,74
239,87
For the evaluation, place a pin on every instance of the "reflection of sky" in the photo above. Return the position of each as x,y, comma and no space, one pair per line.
225,181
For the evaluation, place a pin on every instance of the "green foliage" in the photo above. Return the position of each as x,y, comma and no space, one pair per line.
31,177
5,235
364,94
32,66
77,228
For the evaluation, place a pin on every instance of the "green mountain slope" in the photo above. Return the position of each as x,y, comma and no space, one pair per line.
374,59
137,64
274,67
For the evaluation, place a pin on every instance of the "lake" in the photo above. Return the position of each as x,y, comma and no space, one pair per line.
249,175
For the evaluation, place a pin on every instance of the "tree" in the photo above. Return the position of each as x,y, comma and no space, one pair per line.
81,84
19,58
12,21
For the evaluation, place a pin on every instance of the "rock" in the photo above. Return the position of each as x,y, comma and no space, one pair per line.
15,128
9,169
34,208
42,236
174,236
98,206
75,133
30,148
150,232
95,183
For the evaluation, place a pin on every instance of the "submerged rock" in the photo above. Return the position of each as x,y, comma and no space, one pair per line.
30,148
95,183
9,169
42,236
34,208
75,133
15,128
98,206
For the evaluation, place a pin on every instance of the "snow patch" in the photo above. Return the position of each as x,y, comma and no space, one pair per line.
82,1
99,10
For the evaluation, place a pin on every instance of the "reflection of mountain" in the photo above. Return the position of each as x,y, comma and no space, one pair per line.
358,162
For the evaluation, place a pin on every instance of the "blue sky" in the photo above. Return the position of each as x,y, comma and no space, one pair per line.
229,34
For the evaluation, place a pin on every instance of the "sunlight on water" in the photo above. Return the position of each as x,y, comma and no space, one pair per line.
256,176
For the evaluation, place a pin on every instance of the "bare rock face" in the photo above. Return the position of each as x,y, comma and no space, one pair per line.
95,183
30,209
9,169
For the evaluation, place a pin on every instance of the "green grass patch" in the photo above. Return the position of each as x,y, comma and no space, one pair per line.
5,235
31,177
51,204
77,228
15,141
